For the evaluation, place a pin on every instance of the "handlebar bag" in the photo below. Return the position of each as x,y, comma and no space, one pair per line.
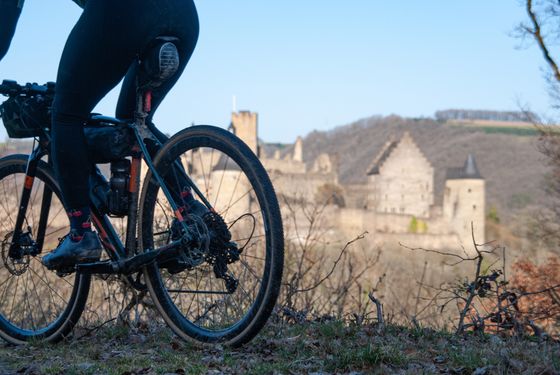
26,116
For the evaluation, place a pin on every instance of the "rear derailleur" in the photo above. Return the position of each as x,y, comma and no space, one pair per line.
213,246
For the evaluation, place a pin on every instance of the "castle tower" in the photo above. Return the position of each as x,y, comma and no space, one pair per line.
298,150
245,126
464,203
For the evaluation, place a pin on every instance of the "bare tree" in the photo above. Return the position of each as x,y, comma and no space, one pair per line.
543,29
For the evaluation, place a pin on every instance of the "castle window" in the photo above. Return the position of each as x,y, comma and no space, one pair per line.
393,209
402,197
474,207
402,209
422,197
470,190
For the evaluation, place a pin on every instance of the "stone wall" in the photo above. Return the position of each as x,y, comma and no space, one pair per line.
300,186
284,166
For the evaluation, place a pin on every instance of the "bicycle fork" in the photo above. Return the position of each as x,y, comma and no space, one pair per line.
22,242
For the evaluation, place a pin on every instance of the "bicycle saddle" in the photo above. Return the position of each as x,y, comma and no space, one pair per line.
159,62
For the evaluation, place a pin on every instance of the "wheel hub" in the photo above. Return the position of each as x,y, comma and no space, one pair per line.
25,247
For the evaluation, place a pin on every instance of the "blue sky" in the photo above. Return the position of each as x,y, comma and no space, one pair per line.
316,64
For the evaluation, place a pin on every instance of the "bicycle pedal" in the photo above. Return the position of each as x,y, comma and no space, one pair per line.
65,271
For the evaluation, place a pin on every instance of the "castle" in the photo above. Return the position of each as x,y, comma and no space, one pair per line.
396,205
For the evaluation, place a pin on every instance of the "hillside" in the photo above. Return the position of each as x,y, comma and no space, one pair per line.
509,161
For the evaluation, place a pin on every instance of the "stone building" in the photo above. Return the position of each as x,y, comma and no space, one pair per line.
396,205
401,180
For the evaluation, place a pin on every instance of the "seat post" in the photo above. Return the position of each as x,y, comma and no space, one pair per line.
147,101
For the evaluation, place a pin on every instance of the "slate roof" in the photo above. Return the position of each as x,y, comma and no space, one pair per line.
381,157
468,171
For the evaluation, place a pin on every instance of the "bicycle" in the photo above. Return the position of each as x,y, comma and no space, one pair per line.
214,278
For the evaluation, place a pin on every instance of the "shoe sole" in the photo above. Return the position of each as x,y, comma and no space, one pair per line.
71,265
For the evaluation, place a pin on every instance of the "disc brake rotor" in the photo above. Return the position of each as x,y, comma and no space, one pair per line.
16,267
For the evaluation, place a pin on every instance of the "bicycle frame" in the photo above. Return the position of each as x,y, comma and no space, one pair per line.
124,258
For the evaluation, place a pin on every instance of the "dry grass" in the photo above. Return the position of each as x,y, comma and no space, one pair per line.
327,347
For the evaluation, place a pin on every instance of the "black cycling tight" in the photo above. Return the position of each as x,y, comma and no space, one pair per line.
100,51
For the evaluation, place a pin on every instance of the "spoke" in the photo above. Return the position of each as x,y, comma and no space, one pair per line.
248,267
198,280
221,179
54,231
15,185
5,281
6,209
248,238
48,286
236,201
253,257
39,301
55,215
28,303
232,194
60,278
13,299
203,172
6,289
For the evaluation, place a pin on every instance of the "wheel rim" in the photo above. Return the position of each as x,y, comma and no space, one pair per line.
198,295
33,300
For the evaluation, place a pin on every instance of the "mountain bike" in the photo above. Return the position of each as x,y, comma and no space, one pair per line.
213,276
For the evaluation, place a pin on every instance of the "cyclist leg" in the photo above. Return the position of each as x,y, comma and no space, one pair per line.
98,53
10,10
186,30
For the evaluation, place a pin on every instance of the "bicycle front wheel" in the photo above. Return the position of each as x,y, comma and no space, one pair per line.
35,303
195,303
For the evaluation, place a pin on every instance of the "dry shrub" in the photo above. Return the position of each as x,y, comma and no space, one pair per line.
323,277
530,279
486,302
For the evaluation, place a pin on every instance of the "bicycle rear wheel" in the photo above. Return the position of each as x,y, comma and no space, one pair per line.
195,303
35,303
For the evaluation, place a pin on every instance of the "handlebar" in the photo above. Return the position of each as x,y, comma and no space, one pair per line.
12,88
